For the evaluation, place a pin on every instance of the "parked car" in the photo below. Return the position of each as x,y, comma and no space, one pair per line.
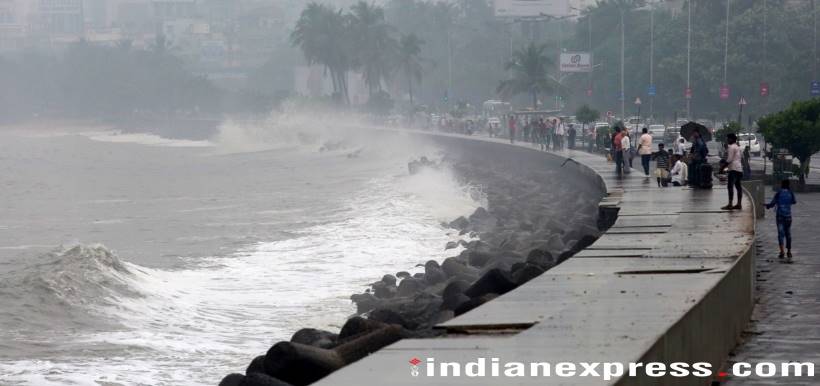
658,132
750,140
671,134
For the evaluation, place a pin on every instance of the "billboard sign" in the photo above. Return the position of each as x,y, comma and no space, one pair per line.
531,8
576,62
724,91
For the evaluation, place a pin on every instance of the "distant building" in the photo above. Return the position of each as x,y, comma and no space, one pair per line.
12,25
174,9
63,18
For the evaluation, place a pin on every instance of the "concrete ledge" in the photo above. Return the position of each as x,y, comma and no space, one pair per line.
670,281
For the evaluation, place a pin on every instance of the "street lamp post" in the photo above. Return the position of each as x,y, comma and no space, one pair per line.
638,121
560,50
726,43
622,95
652,62
589,47
765,68
689,61
740,105
449,64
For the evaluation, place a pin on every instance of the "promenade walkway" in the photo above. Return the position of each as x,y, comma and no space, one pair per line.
669,281
786,321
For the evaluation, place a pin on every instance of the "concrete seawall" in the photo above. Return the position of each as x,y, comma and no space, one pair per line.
670,281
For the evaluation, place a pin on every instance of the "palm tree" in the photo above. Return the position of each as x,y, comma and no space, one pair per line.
323,34
375,46
529,73
409,62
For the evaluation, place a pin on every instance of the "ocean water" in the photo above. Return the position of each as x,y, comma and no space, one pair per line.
133,259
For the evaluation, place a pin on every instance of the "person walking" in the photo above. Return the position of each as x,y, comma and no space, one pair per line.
645,151
626,149
747,166
543,141
661,158
560,131
735,168
572,134
617,151
527,129
550,139
783,200
511,126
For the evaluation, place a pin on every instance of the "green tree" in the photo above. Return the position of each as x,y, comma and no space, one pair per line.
409,61
586,114
375,46
324,36
529,67
796,129
729,128
782,64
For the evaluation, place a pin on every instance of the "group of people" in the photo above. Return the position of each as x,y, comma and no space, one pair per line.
736,165
675,168
546,133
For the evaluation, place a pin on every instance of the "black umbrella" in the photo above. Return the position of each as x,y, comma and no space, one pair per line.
688,129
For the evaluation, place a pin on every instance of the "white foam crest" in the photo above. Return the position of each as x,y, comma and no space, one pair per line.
196,325
143,139
292,126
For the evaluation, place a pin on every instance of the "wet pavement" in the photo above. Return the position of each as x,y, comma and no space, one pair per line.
666,281
786,322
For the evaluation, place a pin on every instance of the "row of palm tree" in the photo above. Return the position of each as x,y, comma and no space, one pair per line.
528,69
360,40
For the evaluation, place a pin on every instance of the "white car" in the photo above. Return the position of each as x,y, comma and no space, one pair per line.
750,140
657,132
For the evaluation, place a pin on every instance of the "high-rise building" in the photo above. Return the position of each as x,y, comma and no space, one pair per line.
174,9
62,17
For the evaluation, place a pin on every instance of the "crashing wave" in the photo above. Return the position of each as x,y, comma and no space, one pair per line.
76,282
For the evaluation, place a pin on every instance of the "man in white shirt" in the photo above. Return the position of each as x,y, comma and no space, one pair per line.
559,134
680,172
735,167
645,150
626,148
678,148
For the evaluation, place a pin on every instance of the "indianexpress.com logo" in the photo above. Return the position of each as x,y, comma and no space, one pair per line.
481,367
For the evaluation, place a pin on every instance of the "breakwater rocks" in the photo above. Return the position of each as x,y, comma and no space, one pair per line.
538,214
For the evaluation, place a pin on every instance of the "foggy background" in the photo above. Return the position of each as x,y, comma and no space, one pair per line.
120,60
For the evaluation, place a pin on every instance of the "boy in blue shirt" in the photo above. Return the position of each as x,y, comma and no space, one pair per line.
783,200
